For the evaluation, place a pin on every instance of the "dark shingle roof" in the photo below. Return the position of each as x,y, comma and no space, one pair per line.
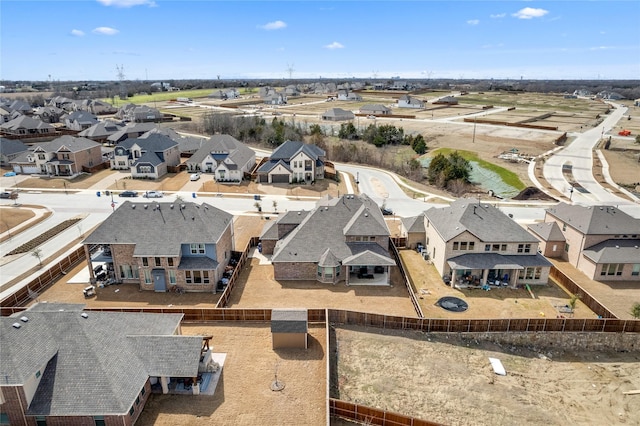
289,321
11,146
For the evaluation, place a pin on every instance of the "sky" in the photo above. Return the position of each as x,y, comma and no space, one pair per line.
162,40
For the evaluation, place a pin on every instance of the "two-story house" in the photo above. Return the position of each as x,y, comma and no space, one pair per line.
347,95
342,239
293,162
130,130
475,243
148,156
49,114
10,149
63,156
25,125
139,113
224,156
162,245
601,241
101,131
79,120
65,366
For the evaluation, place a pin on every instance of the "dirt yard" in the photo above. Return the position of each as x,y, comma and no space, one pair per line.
243,395
449,381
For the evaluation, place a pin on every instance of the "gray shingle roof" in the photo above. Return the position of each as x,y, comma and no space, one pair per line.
547,231
497,261
73,144
25,122
338,113
94,365
269,231
149,157
596,220
155,142
289,321
482,220
414,223
614,251
238,153
160,228
101,129
11,146
290,148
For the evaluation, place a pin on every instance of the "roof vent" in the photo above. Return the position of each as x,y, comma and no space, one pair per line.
366,215
24,319
133,206
84,315
171,207
146,206
16,325
617,247
182,206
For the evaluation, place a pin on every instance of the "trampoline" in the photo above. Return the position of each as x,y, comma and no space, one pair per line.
453,304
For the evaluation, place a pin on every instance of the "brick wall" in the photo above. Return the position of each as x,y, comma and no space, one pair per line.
15,405
123,255
294,271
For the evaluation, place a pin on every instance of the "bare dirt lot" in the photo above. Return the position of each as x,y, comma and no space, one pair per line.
243,395
450,381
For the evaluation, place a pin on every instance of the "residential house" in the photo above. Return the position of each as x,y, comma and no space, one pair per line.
446,100
139,114
601,241
346,95
147,157
101,131
130,130
63,156
49,114
10,149
224,156
375,109
337,114
291,90
475,243
224,94
25,125
162,245
99,107
275,99
65,366
22,107
342,239
412,228
62,102
293,162
5,114
79,120
407,101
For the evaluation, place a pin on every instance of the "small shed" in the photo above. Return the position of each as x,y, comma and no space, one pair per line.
289,328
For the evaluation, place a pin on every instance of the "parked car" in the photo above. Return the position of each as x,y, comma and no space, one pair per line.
153,194
9,174
386,211
195,176
128,194
5,194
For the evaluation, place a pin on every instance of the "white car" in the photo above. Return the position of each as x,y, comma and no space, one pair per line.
153,194
195,176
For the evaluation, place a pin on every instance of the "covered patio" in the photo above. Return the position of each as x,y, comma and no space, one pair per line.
479,269
368,268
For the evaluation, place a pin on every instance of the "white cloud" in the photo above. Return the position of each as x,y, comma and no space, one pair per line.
127,3
473,21
77,33
530,13
334,45
498,15
275,25
105,31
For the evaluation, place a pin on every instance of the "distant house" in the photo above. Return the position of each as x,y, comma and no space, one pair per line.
224,94
474,243
49,114
293,162
79,120
446,100
98,107
63,156
139,114
91,367
10,149
25,125
291,90
101,131
407,101
131,130
162,245
347,95
275,99
375,109
601,241
342,239
22,107
147,157
224,156
337,114
61,102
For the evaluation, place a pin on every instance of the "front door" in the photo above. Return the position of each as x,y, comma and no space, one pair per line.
159,280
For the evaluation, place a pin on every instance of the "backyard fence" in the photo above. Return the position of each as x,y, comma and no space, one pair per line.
586,298
226,294
372,416
405,278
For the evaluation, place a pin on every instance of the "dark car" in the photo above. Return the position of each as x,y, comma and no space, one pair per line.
128,194
386,211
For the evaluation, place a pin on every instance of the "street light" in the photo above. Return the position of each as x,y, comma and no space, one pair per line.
570,192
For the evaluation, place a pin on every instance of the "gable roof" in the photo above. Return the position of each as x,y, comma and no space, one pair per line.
25,122
289,149
547,231
12,146
161,228
374,107
82,117
154,142
69,142
227,146
131,129
289,321
484,221
111,343
101,129
338,113
614,251
414,223
595,220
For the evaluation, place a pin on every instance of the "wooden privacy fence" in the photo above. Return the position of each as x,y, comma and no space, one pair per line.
442,325
33,289
372,416
586,298
405,278
226,294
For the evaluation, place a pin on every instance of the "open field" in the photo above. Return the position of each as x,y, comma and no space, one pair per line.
243,395
445,379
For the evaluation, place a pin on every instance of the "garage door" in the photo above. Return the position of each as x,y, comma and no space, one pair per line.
279,178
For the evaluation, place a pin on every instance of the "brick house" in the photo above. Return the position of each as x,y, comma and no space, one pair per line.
224,156
475,243
162,245
63,156
601,241
65,366
25,125
342,239
293,162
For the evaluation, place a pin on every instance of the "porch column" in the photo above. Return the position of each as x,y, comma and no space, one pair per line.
164,382
88,256
485,275
196,386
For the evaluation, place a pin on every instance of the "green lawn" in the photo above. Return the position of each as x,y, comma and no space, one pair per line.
164,96
507,176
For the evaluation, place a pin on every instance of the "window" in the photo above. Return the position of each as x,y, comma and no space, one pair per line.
197,248
463,245
138,400
205,277
487,247
172,276
145,261
127,272
564,226
41,421
503,247
158,261
566,247
170,261
524,248
337,271
328,272
121,163
131,411
98,421
41,157
636,269
538,272
142,392
320,271
145,169
147,276
472,245
495,247
611,269
455,245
